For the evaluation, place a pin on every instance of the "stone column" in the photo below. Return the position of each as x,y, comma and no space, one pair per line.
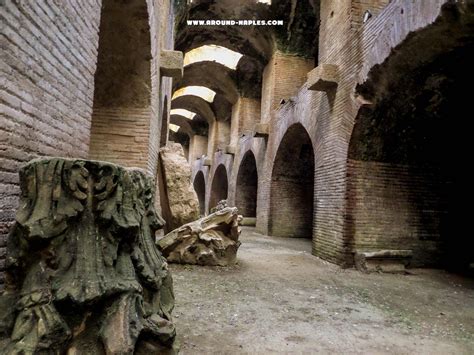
84,274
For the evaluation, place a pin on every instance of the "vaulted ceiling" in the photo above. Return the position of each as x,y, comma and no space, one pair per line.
229,60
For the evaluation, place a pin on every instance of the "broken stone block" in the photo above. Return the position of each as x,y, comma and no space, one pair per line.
181,204
84,275
212,240
262,130
324,77
389,261
171,64
222,204
231,149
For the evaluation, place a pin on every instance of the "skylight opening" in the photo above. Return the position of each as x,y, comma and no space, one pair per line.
174,128
268,2
182,112
213,53
199,91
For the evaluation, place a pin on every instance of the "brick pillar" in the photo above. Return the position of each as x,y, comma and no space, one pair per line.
245,114
197,147
282,78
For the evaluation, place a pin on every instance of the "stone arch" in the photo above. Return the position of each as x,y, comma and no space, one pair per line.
200,188
219,187
247,186
122,96
292,185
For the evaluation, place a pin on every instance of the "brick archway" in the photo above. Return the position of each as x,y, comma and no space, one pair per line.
292,186
246,187
219,187
404,172
122,109
200,188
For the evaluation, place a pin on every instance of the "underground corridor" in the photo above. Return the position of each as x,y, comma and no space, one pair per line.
290,180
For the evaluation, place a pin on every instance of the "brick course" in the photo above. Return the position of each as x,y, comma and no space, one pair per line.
48,62
328,117
49,53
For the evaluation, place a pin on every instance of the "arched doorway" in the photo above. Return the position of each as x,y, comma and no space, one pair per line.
200,188
122,100
247,184
406,154
219,187
292,186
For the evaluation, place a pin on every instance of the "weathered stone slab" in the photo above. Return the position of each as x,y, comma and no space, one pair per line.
180,195
390,261
84,274
324,77
171,64
262,130
212,240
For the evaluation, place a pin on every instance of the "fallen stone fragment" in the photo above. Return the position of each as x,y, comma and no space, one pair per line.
211,240
179,201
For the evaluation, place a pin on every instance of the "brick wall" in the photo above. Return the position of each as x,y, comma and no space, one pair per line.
282,78
197,147
392,25
49,59
359,8
328,117
245,114
291,213
129,85
392,206
222,137
49,52
120,135
292,191
123,116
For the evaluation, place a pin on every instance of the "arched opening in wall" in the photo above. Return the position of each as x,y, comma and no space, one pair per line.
219,187
200,188
165,120
292,186
122,99
407,152
246,188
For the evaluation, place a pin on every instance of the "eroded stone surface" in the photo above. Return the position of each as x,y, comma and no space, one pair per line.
84,274
212,240
181,198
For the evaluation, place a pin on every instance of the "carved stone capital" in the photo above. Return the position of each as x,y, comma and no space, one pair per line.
82,256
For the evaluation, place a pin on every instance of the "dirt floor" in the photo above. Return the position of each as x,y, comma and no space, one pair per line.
281,299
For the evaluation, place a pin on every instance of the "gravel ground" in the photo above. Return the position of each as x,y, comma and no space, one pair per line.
281,299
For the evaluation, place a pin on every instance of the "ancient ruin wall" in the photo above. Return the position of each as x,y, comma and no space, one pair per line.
49,53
